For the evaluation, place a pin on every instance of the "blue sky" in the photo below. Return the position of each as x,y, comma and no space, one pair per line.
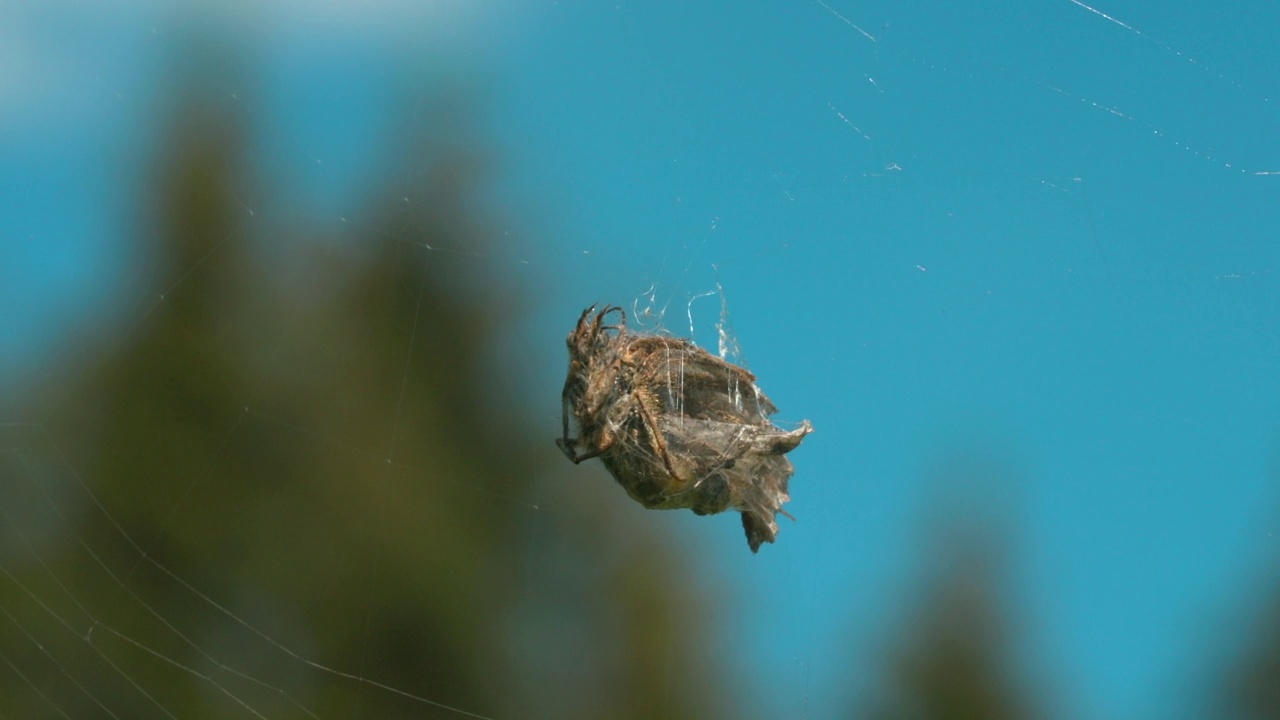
1022,236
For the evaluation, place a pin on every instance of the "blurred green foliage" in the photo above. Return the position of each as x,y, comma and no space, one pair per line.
291,489
956,658
1251,686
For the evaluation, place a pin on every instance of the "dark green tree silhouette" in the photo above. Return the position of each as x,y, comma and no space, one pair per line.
1249,685
954,660
299,484
1252,689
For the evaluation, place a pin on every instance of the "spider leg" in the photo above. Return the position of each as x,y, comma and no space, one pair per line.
567,445
656,440
593,453
564,420
622,324
601,446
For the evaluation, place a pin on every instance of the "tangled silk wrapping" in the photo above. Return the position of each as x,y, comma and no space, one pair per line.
676,426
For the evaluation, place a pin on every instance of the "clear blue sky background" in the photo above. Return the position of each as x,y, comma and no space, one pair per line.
1022,237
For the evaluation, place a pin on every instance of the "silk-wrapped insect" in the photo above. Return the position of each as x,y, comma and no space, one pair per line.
676,426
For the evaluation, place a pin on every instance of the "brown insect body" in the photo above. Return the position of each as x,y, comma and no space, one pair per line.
676,426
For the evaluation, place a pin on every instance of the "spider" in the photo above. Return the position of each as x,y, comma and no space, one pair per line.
676,426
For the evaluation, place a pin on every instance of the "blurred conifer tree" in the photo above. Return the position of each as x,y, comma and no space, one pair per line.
955,661
1253,685
307,444
1249,685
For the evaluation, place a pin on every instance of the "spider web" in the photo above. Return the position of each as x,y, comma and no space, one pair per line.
245,476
